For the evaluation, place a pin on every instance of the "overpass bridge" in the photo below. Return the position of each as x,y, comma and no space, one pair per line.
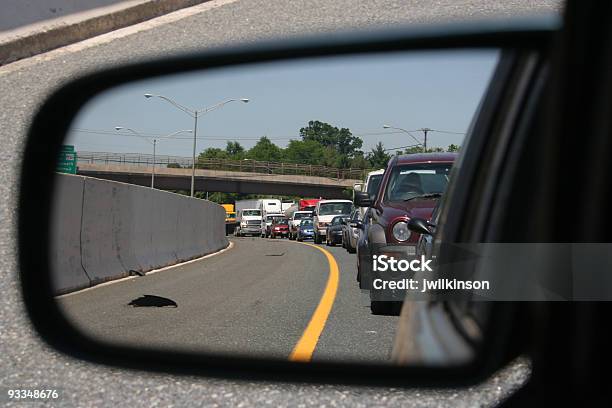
228,176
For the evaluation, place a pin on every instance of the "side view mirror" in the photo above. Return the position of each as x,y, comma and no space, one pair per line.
363,199
419,225
85,230
356,224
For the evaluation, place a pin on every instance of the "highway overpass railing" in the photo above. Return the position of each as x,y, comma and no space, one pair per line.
247,165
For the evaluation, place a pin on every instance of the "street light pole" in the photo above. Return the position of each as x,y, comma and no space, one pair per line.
193,159
194,113
154,143
410,134
153,171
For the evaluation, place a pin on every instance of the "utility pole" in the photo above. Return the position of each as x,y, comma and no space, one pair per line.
153,171
425,130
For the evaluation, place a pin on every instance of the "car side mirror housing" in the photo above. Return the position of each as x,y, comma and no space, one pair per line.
419,225
363,199
356,224
40,273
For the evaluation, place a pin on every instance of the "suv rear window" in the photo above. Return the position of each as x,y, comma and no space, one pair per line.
335,208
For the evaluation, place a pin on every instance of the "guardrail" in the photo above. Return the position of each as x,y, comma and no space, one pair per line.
247,165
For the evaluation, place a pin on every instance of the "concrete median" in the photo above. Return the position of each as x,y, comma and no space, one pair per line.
102,230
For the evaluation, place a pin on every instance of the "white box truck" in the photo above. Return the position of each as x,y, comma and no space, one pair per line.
270,206
248,218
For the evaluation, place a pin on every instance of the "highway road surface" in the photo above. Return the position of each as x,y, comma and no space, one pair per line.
256,298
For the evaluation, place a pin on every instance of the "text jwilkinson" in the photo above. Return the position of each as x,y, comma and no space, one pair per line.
429,285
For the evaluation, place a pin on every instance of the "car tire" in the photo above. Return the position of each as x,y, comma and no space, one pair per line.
317,238
378,307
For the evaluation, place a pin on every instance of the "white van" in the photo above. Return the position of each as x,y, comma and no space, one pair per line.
324,212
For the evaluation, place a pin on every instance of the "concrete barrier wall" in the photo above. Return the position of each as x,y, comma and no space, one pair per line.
16,13
102,230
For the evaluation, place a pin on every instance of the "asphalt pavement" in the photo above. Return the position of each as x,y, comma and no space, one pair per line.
255,299
28,362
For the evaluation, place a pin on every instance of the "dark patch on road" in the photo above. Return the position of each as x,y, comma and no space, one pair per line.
152,301
281,254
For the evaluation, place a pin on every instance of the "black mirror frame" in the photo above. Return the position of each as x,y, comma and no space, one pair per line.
362,199
47,132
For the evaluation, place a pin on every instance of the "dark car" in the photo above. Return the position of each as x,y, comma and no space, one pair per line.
279,228
333,234
305,230
410,188
350,234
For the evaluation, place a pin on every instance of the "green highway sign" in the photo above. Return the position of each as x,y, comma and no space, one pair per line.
67,161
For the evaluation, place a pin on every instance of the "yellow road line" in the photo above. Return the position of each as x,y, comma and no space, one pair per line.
302,352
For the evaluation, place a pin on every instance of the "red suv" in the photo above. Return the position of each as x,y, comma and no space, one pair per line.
411,186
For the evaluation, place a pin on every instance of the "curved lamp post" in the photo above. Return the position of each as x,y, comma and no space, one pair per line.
194,113
424,145
154,143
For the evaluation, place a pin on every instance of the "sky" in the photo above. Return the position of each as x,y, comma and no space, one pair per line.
438,89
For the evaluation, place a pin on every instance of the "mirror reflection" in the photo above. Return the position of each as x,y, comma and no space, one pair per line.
233,211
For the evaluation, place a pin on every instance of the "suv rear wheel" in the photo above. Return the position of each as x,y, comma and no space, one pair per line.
385,307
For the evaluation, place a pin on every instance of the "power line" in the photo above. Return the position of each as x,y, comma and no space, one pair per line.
401,147
162,136
447,131
159,136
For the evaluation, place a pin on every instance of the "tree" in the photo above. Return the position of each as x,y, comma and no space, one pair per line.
341,140
413,150
378,157
304,151
234,150
453,148
213,153
265,150
360,162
